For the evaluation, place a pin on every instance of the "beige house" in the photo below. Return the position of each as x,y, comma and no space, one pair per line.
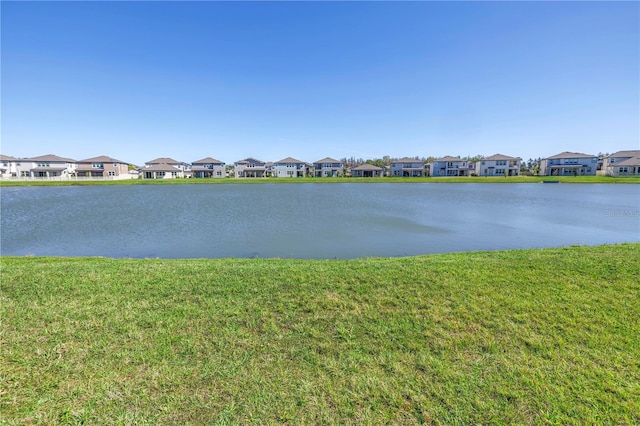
622,163
328,167
250,168
164,168
103,167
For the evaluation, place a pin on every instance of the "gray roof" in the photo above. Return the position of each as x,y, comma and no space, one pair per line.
567,154
289,160
499,157
327,160
163,167
633,161
449,158
51,158
249,160
406,160
627,154
7,158
367,166
208,160
163,160
102,159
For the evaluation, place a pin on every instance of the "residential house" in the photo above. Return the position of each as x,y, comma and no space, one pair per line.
569,164
269,169
290,167
46,166
208,168
498,165
8,166
328,167
367,170
250,168
450,166
407,167
622,163
165,168
103,167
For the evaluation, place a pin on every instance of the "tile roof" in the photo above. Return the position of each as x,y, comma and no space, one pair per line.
633,161
162,167
327,160
567,154
163,160
208,160
289,160
499,157
102,159
367,166
619,154
51,158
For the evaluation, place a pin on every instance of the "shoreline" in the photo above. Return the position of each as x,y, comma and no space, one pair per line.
244,181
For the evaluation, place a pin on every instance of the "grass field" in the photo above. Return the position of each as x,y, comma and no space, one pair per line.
513,179
544,336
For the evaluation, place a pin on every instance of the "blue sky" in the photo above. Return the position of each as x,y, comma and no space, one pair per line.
187,80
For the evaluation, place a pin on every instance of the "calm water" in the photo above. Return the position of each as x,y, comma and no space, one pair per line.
312,220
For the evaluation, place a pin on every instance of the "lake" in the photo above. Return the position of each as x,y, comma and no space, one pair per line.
312,221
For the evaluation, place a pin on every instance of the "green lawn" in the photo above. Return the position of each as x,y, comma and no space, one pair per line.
512,337
476,179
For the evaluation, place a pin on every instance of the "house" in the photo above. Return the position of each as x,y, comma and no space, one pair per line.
249,168
290,167
569,164
8,166
622,163
103,167
450,166
165,168
367,170
407,167
46,166
269,170
328,167
208,168
498,165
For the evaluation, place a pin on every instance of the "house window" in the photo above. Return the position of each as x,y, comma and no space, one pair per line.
218,173
501,163
116,164
97,165
174,174
289,172
623,170
112,173
450,164
500,171
159,174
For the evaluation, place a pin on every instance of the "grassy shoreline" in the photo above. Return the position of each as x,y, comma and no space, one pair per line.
524,336
472,179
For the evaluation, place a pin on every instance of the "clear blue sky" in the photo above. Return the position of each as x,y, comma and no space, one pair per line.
140,80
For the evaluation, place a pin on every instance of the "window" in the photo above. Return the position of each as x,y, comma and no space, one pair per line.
116,164
174,174
112,173
623,170
218,173
450,164
97,165
501,163
159,174
289,172
500,171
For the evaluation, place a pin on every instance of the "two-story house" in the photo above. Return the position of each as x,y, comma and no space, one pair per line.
622,163
328,167
208,168
498,165
8,166
46,167
165,168
290,167
408,167
103,167
249,168
450,166
569,164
